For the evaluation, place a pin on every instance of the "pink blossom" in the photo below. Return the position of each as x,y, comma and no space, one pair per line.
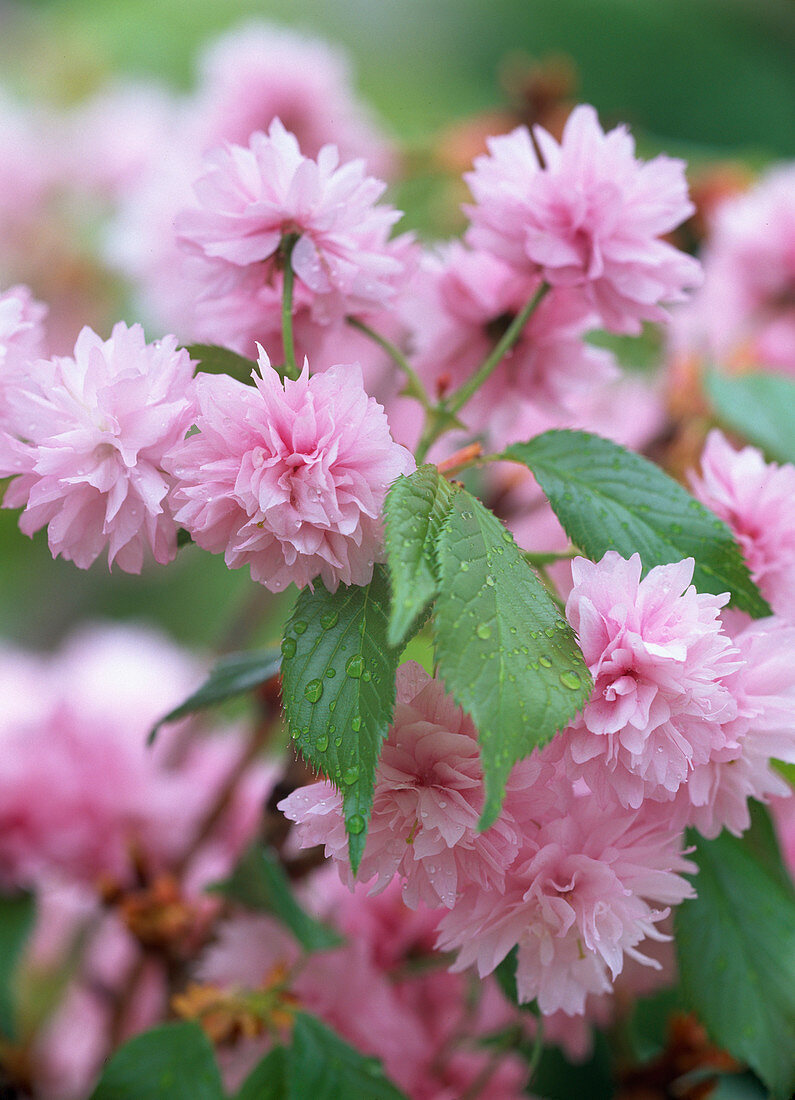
251,198
427,801
89,436
584,893
288,480
757,500
21,341
586,213
716,795
658,657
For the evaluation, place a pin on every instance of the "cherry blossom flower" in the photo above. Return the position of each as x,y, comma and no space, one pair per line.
251,198
288,479
86,445
21,341
585,213
427,801
658,657
585,891
757,500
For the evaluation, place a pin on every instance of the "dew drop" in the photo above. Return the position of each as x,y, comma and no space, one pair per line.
330,619
331,672
313,690
550,631
337,741
356,723
483,631
354,666
367,676
355,824
288,648
490,581
570,679
350,775
322,743
300,627
545,662
464,566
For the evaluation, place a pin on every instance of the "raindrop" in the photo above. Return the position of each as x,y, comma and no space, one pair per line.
313,690
570,679
331,672
354,666
350,775
288,648
490,581
545,662
464,566
330,619
300,627
322,743
484,631
355,824
356,723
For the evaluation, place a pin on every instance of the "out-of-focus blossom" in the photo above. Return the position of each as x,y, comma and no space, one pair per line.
288,479
757,500
658,657
22,341
86,445
585,213
427,801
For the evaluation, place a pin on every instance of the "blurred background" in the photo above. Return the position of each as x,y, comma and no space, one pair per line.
710,80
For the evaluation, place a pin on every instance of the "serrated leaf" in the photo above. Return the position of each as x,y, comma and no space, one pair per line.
414,511
17,914
338,687
503,649
214,359
736,951
234,675
609,498
268,1079
174,1061
760,407
259,882
321,1066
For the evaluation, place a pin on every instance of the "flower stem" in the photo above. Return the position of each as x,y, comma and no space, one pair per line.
459,397
290,366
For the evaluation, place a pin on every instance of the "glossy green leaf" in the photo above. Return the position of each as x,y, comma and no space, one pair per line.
214,359
268,1079
259,882
504,650
338,686
414,511
17,913
320,1066
174,1061
609,498
736,951
234,675
760,407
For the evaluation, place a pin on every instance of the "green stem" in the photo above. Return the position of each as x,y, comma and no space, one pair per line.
415,388
459,397
290,366
549,559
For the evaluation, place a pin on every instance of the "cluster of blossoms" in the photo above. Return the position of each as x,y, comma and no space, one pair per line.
265,234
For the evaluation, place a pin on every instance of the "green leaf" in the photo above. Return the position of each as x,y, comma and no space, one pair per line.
414,511
503,649
736,951
608,498
268,1080
17,913
505,973
213,359
321,1066
760,407
259,882
338,687
174,1061
234,675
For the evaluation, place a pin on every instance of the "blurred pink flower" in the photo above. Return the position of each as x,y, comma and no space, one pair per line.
288,479
251,198
427,801
86,445
22,341
586,213
757,500
658,657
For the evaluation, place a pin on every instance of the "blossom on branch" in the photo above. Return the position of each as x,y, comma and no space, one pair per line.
585,213
85,445
290,478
